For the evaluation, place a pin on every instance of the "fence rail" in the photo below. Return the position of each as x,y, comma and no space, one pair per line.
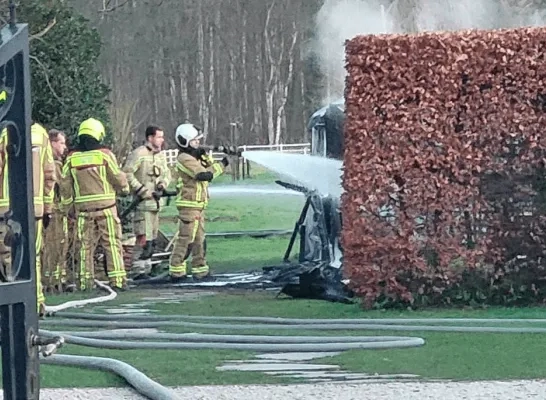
297,148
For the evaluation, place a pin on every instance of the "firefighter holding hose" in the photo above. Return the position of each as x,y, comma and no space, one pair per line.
195,169
148,175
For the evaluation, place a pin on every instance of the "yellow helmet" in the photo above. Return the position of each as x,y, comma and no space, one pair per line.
93,128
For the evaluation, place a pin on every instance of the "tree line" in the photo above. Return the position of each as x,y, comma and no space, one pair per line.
249,72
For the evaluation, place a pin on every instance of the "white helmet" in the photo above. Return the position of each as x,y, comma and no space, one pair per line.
186,133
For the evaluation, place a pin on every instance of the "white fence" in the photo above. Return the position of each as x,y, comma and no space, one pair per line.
298,148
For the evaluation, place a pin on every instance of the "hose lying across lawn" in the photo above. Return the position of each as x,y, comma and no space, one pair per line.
140,382
112,339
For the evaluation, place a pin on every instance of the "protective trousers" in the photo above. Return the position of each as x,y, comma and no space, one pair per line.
100,228
190,240
145,228
5,256
55,252
39,246
146,223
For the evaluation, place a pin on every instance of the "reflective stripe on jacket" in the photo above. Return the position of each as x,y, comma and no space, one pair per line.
90,180
191,192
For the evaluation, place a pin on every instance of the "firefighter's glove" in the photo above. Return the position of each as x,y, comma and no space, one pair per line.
225,161
157,195
46,220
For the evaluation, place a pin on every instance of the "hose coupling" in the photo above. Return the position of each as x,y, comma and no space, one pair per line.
47,346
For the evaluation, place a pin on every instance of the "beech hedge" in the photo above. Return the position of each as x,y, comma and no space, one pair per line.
445,139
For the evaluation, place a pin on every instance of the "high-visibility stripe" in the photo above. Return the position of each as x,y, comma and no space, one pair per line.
5,183
199,192
38,243
200,270
189,203
67,201
60,268
195,229
38,139
217,169
85,159
83,271
95,197
178,269
179,184
185,170
119,272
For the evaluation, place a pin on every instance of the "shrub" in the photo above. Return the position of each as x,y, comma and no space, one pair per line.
443,153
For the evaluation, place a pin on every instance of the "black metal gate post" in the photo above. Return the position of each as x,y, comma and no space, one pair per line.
19,319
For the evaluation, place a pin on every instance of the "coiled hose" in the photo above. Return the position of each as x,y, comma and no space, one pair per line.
111,339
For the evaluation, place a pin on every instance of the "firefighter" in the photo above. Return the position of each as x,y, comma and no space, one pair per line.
56,235
43,171
195,169
90,179
148,175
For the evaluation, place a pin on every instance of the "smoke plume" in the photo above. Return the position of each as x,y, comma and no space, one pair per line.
340,20
337,21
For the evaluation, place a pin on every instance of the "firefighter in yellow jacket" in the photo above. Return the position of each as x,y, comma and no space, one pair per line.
195,169
56,238
44,177
148,175
90,179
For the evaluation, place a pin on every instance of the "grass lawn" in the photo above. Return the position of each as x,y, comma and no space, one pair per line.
464,356
461,356
258,175
240,213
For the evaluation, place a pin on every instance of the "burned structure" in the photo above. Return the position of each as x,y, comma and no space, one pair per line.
318,272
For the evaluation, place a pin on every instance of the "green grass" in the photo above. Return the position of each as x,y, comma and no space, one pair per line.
239,213
468,356
234,255
171,368
258,175
460,356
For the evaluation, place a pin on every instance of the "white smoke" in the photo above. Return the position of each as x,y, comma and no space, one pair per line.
341,20
435,15
337,21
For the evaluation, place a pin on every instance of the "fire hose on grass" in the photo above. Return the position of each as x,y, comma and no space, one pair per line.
112,339
49,310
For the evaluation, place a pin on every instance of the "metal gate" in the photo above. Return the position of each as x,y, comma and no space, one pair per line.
19,320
